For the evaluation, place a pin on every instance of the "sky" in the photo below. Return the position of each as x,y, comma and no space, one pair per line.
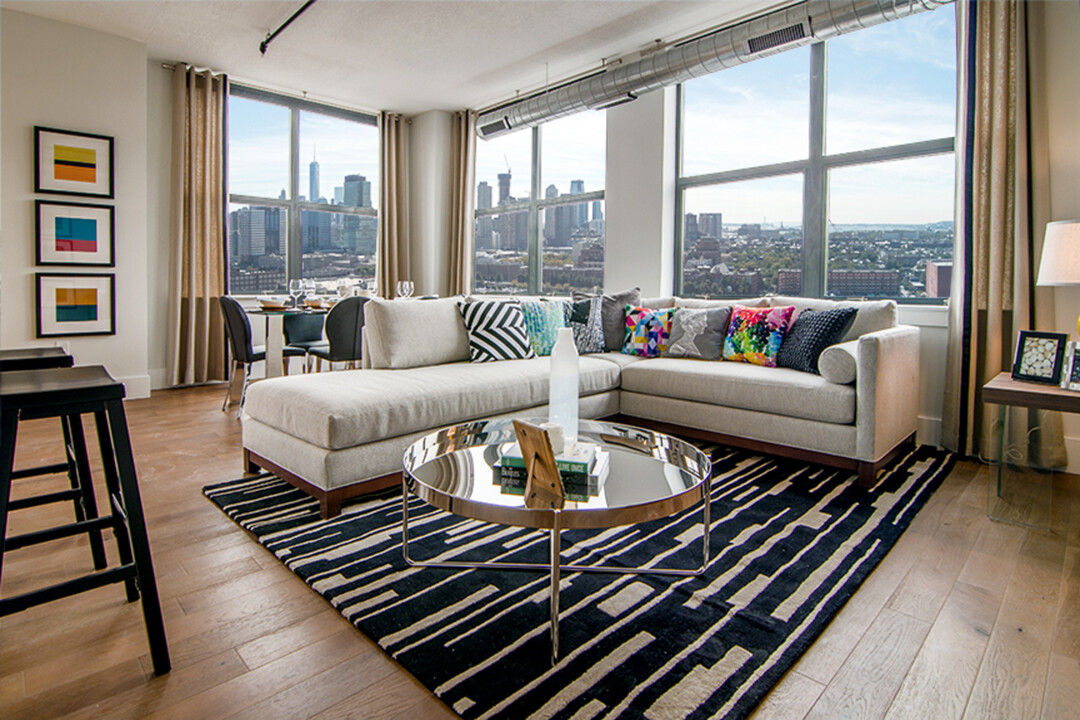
889,84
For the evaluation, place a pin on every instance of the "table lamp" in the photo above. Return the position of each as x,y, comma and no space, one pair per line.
1060,264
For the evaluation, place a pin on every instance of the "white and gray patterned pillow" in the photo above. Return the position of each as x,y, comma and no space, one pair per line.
496,330
586,319
698,333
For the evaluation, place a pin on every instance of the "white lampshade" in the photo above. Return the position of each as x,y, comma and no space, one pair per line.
1060,264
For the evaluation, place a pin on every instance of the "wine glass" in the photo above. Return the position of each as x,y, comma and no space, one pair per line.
295,288
404,288
342,288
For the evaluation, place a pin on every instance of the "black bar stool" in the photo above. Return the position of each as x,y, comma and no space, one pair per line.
81,493
68,393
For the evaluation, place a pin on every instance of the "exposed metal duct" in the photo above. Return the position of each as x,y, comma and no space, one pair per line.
801,24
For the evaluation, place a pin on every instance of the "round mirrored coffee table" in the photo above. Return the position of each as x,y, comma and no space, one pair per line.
639,475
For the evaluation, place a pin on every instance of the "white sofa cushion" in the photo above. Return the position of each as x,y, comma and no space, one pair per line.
873,315
342,409
741,385
414,333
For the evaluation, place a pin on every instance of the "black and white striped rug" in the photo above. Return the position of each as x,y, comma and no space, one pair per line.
790,544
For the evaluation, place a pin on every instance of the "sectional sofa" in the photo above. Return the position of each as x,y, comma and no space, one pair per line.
337,435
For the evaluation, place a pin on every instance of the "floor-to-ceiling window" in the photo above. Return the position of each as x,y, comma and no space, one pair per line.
303,192
540,208
827,170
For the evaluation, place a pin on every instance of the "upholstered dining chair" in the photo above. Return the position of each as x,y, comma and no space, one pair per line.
304,332
344,324
244,353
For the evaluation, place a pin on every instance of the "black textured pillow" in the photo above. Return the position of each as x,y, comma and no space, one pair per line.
810,334
614,314
585,319
496,330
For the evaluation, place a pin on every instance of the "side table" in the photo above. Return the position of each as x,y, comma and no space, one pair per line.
1026,508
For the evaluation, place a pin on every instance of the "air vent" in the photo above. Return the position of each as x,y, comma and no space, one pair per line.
500,125
776,38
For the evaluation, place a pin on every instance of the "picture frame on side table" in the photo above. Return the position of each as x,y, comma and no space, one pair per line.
70,304
1070,371
74,234
67,162
1039,357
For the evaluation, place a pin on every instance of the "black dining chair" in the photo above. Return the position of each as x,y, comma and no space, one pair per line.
344,324
244,353
305,332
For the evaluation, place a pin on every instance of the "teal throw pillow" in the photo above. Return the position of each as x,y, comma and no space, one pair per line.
543,320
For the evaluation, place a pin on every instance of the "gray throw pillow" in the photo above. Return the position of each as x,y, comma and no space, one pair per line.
698,333
613,312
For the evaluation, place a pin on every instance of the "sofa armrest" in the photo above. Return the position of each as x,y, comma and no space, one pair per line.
886,390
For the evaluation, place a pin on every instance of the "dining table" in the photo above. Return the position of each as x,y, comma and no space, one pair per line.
275,332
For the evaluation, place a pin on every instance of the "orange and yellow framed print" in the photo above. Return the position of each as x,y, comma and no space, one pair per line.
70,304
72,163
74,234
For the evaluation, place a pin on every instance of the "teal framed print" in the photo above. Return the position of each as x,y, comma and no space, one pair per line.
69,304
75,234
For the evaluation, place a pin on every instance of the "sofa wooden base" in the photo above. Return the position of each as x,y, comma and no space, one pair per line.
329,500
866,470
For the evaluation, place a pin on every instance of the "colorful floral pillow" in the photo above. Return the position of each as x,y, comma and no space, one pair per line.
647,331
754,334
543,319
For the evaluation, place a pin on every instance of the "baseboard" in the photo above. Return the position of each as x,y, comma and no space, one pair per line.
930,431
1072,446
136,386
159,378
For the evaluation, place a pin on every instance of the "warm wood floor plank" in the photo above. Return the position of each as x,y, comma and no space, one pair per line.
255,641
866,684
791,699
1062,700
1012,677
940,680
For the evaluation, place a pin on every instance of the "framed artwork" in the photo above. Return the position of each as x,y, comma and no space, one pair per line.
74,234
69,304
1070,371
72,163
1039,356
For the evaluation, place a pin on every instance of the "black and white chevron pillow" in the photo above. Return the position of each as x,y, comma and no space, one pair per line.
496,330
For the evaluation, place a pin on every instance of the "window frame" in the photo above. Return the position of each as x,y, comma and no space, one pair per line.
534,206
293,205
815,173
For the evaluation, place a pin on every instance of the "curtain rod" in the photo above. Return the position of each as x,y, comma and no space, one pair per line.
270,36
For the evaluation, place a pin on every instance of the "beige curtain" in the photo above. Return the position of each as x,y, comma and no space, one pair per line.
993,290
392,259
462,202
197,229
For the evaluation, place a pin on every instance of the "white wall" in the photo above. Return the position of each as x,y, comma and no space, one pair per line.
639,196
1055,60
429,201
159,193
58,75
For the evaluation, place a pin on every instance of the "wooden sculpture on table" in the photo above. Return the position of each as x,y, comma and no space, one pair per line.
543,486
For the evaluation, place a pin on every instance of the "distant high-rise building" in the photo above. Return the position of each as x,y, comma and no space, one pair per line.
250,226
597,210
275,238
357,191
550,214
711,224
483,196
690,227
938,279
339,195
504,187
581,215
314,231
313,181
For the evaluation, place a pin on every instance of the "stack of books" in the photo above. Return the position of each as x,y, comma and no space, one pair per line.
582,469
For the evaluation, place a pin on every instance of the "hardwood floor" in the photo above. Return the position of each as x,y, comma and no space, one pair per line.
965,618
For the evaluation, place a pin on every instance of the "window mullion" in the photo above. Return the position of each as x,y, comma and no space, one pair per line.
815,190
536,262
293,260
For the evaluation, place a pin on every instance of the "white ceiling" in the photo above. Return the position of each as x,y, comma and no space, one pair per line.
403,55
